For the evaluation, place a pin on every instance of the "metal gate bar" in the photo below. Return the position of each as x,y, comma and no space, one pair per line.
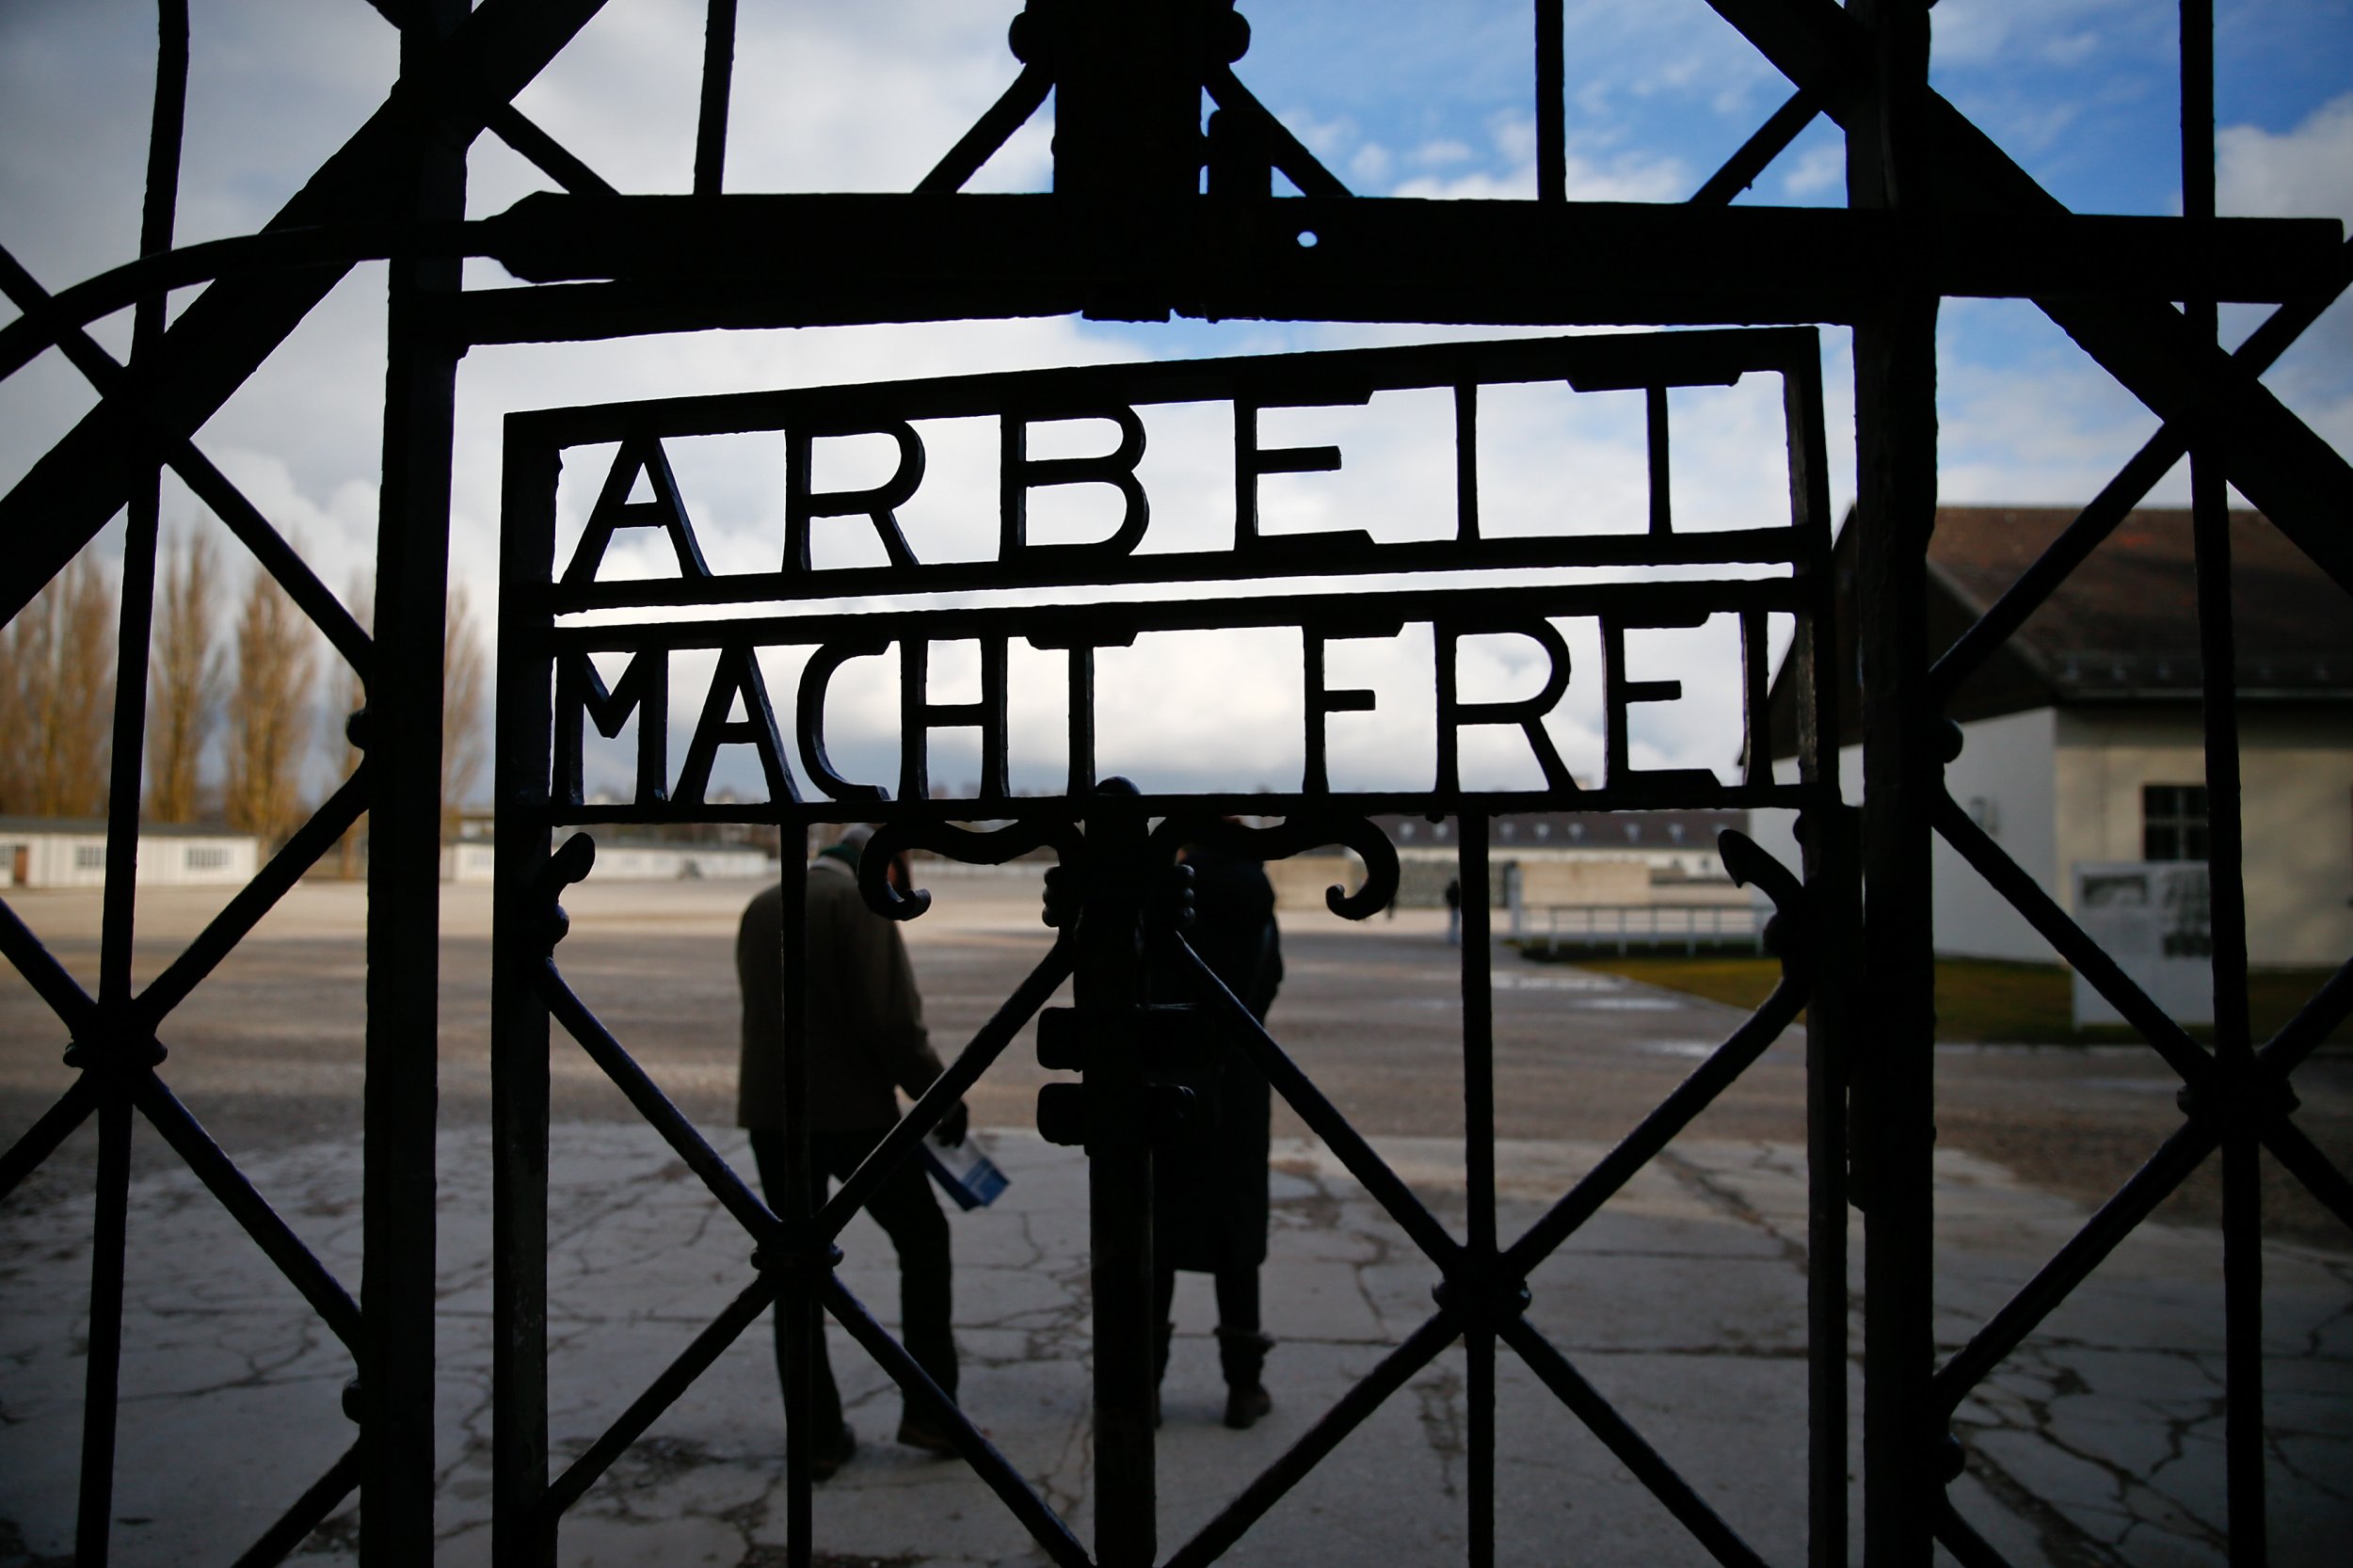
1479,1167
1488,1294
2234,1062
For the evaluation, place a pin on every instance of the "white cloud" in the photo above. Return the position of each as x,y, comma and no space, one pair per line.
1326,138
2025,124
863,97
2072,50
1821,169
2061,32
2307,172
1438,154
1596,171
2040,425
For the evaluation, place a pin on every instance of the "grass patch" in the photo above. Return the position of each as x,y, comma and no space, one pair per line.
1977,999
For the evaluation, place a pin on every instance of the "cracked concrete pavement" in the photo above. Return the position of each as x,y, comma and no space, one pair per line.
1682,1300
2096,1443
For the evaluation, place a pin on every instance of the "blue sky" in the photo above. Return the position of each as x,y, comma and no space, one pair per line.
1427,100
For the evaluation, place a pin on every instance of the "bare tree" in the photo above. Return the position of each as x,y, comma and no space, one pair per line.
20,650
185,683
269,713
56,696
361,599
465,686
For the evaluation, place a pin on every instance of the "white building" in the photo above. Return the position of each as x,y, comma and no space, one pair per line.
65,852
626,860
731,853
1576,858
2082,736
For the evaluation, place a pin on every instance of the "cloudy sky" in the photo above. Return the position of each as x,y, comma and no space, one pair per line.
1429,99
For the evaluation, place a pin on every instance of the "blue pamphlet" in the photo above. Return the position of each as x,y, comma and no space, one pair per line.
967,1174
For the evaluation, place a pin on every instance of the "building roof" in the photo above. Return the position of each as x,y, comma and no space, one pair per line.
2121,627
2127,618
95,827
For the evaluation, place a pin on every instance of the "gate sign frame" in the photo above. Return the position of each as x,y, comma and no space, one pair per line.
542,612
1111,895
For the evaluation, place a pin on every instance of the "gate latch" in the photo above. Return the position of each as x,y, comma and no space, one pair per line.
1178,1049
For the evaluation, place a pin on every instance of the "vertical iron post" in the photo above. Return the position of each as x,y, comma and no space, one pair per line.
103,1374
404,829
1552,126
519,1537
113,1053
1478,1167
804,1321
1896,508
1127,140
1833,918
1108,990
1127,100
711,125
2234,1062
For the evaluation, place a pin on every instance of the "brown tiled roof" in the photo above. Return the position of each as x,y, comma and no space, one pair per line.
2122,627
2127,620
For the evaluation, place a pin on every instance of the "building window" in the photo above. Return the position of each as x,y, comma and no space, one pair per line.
2173,821
89,858
205,858
1987,814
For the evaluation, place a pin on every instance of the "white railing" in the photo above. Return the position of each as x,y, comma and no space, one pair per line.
1639,925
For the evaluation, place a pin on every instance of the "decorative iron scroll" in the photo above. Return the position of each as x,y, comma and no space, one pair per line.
609,648
1299,833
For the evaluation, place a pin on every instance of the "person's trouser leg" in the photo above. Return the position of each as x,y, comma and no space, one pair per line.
825,1404
1241,1348
1237,1299
904,1206
1163,1333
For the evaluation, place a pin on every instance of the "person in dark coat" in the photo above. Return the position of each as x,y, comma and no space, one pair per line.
863,1021
1210,1190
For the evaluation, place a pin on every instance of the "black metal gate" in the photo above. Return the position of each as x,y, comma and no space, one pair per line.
1132,231
1113,894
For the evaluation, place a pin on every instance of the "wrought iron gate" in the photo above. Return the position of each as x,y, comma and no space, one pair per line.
1129,231
1115,894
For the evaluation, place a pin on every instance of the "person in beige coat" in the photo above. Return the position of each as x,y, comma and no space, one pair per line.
866,1041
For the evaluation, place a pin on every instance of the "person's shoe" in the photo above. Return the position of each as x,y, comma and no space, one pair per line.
830,1456
1242,1356
917,1434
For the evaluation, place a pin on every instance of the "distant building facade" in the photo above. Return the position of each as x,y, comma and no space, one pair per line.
727,851
2082,739
63,852
1574,857
625,861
